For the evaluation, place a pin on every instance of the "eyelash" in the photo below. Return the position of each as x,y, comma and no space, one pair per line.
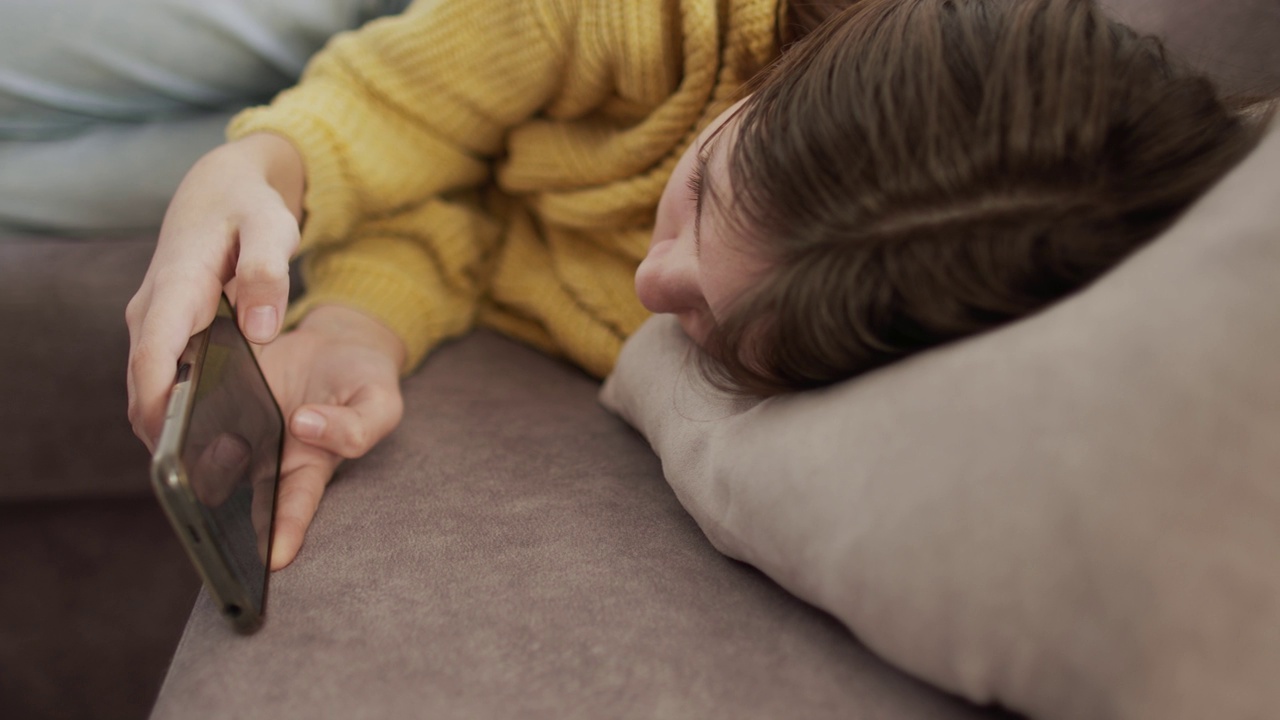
694,183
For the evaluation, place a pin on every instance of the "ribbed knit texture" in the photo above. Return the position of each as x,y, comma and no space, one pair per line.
500,161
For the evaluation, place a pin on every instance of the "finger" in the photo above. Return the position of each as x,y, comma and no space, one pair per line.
178,306
299,496
220,468
352,430
261,510
132,319
267,241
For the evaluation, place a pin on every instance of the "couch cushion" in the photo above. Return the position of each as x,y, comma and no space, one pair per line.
64,427
95,596
513,551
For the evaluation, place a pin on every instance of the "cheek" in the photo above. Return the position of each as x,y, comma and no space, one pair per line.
665,224
697,326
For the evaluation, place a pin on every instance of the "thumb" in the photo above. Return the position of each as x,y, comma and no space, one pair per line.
352,430
296,503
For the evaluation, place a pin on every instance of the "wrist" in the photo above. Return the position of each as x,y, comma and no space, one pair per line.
351,325
280,165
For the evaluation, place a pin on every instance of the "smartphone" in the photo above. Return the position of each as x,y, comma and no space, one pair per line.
216,467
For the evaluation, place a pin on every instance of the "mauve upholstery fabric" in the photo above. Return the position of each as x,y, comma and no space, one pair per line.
94,588
62,368
94,595
513,551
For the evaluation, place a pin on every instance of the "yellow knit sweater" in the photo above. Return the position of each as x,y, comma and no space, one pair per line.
500,161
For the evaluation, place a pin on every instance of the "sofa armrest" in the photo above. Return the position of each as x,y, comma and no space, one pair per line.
513,551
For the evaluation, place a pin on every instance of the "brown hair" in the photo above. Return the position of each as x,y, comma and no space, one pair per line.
917,171
805,16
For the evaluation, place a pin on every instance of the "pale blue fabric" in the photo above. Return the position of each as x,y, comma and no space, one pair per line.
104,104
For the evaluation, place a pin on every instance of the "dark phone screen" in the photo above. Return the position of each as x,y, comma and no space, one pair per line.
232,452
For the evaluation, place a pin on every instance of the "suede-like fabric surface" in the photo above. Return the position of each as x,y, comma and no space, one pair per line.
513,551
63,353
93,598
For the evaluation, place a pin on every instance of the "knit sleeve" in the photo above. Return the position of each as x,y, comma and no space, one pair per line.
398,125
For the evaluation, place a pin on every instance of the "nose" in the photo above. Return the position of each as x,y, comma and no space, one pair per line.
667,279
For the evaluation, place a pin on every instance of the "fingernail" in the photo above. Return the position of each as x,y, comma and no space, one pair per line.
308,424
278,559
260,323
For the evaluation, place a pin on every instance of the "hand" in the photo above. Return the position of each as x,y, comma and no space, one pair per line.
337,380
232,224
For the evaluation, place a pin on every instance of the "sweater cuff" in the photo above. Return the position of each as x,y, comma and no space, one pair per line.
329,203
419,313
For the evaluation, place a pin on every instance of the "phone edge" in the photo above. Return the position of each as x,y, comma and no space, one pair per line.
170,485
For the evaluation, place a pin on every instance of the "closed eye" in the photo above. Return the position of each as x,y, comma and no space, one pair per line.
697,191
694,183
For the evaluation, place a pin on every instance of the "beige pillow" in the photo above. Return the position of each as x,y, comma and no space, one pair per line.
1077,516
